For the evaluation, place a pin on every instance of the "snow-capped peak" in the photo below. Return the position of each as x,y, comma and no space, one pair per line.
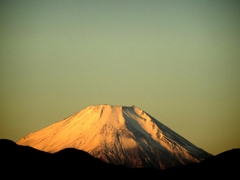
123,135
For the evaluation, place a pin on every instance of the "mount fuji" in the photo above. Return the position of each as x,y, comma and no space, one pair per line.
121,135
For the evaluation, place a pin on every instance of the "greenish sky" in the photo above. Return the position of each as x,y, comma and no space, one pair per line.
178,60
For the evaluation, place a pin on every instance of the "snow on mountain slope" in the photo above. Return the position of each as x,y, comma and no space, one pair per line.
123,135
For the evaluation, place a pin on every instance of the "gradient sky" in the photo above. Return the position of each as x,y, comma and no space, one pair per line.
177,60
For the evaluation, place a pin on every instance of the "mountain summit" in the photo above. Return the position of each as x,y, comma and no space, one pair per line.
123,135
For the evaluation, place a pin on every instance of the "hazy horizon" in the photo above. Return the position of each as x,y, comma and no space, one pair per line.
177,60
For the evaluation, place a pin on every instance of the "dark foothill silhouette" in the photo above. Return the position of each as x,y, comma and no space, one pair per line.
26,162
